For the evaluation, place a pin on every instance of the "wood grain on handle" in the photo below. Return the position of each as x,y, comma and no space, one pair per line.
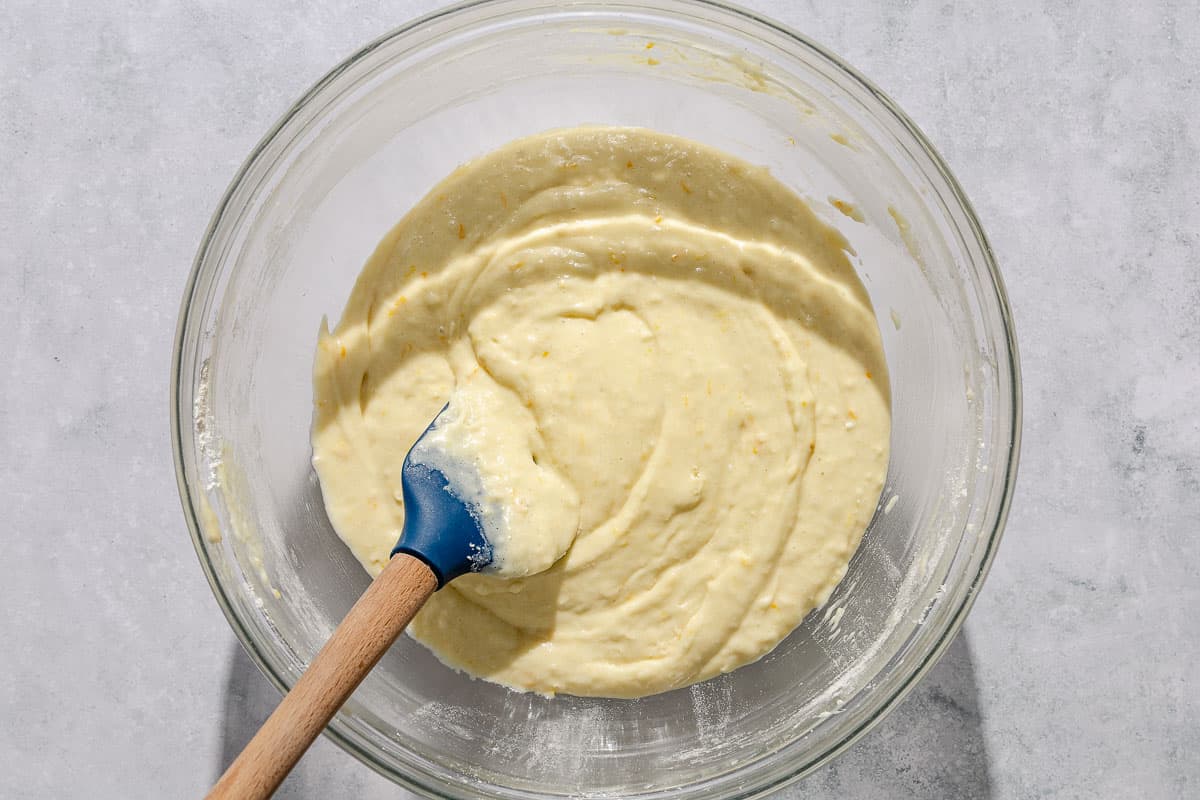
366,633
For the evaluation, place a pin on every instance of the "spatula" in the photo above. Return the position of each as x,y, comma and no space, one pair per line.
441,540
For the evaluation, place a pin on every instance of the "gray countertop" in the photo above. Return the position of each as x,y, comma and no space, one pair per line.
1075,129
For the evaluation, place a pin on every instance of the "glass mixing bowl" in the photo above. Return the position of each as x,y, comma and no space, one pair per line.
372,137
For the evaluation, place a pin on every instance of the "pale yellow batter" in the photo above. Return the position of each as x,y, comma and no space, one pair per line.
673,383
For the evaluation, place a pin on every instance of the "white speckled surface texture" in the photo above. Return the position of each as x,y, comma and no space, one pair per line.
1073,126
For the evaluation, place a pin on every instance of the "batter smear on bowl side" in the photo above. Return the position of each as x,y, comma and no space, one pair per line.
669,380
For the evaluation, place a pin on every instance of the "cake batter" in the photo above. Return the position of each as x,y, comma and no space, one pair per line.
675,391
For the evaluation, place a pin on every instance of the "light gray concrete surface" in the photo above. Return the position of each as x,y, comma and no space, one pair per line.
1075,129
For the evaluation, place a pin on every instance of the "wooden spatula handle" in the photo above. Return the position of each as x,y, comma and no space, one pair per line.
366,633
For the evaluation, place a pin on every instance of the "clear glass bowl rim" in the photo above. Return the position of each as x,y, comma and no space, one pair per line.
749,785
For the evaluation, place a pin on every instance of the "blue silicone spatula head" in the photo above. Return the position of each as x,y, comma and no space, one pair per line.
440,527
